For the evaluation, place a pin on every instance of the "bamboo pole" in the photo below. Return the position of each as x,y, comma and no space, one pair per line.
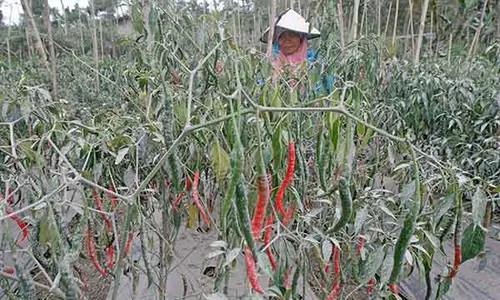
355,21
95,49
477,35
421,28
36,34
272,17
8,38
412,31
80,25
379,17
52,52
340,11
395,28
65,18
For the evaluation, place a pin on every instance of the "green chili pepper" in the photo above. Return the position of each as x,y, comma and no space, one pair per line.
346,202
408,228
241,203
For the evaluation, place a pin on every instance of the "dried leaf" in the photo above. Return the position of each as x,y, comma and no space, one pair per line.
478,206
220,161
121,155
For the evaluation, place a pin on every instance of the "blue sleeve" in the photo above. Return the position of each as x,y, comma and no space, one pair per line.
326,80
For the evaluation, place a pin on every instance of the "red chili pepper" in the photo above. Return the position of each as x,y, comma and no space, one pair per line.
128,243
394,288
369,286
267,240
360,243
9,270
456,262
187,183
9,196
177,200
263,193
335,290
196,198
23,226
336,262
187,186
286,278
251,271
336,271
110,253
288,177
92,255
219,67
112,197
175,77
84,288
99,206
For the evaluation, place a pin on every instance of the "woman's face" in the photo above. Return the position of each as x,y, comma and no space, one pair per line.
289,42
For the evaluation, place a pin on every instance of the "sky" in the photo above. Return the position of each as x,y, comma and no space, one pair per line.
11,9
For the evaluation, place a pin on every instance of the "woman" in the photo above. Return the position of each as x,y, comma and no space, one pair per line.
292,56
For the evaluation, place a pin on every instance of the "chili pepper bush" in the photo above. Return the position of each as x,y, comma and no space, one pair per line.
193,132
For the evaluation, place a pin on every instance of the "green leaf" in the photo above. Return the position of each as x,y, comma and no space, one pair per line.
231,256
121,155
472,242
442,206
478,206
220,161
360,219
444,287
386,268
45,232
360,129
373,263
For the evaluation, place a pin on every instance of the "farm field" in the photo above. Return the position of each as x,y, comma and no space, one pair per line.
195,150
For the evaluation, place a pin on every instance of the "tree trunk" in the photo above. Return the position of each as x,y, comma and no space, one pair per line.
272,17
423,16
52,52
95,45
35,34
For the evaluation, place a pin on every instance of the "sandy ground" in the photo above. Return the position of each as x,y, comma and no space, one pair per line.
187,272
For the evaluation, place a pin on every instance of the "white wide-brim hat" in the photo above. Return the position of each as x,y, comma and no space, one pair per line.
293,21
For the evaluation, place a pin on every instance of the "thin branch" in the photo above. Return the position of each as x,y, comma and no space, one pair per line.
191,81
43,199
56,292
